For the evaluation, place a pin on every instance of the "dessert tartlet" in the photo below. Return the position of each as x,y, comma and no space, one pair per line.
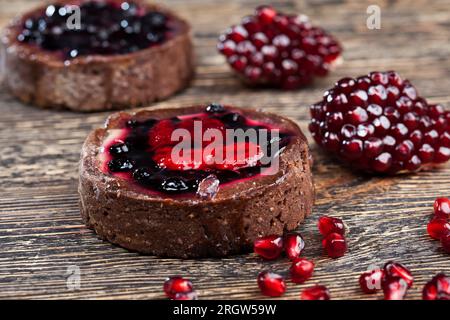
87,55
136,193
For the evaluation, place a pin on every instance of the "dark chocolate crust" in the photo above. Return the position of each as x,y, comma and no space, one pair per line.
194,227
95,82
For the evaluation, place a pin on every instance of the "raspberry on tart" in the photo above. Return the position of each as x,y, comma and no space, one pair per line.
379,124
279,50
90,55
139,190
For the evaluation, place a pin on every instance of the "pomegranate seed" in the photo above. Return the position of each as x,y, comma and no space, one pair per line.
271,284
266,14
317,292
335,245
383,127
293,245
397,270
370,281
438,227
186,296
445,242
268,247
394,288
329,225
442,208
177,285
437,288
301,270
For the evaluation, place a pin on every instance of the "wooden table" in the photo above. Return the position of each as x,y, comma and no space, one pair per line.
42,235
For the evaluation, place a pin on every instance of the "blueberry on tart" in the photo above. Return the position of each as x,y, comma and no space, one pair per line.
196,181
91,55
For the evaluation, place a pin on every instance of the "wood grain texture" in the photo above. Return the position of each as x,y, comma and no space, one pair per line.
41,233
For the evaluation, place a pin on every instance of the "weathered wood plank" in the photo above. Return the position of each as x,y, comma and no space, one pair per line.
41,233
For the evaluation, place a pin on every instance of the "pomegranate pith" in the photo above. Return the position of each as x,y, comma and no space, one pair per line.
335,245
437,288
442,208
397,270
177,285
301,270
438,227
316,292
378,124
329,225
293,245
268,247
370,281
271,284
274,49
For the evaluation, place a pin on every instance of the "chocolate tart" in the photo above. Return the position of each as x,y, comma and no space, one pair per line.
135,196
121,54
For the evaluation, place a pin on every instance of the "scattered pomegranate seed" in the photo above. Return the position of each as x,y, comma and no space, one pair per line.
268,247
442,208
317,292
394,288
377,123
329,225
293,245
370,281
301,270
271,284
445,241
437,288
186,296
177,285
438,227
397,270
278,50
335,245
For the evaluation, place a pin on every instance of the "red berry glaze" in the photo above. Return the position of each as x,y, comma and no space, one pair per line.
268,247
442,208
293,245
301,270
329,225
177,285
394,288
438,227
397,270
378,124
334,245
271,284
437,288
445,242
278,50
317,292
370,281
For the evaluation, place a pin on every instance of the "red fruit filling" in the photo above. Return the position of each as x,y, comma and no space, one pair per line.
442,208
301,270
269,247
106,27
271,284
279,50
329,225
370,281
397,270
438,227
437,288
394,288
445,242
293,245
317,292
335,245
174,156
174,286
378,123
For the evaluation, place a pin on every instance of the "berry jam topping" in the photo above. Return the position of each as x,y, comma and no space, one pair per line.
379,124
192,153
104,27
278,50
